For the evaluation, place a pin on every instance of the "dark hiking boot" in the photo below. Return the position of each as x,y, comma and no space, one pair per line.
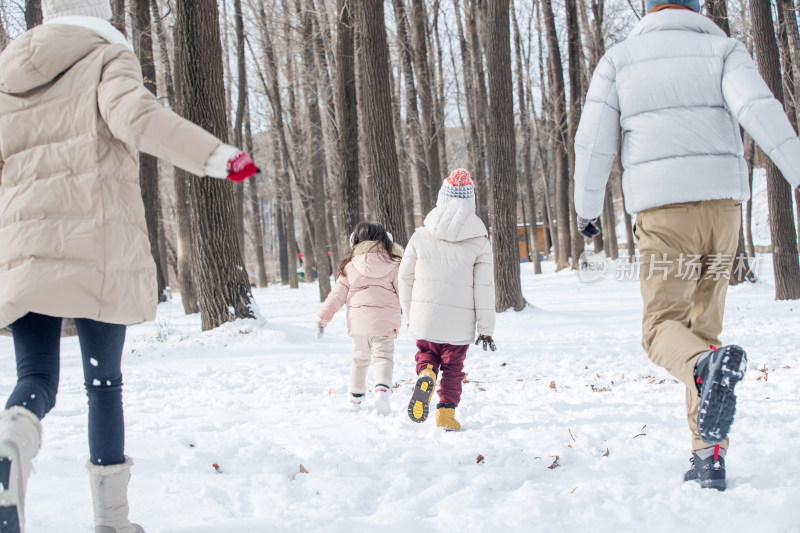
418,406
709,472
716,373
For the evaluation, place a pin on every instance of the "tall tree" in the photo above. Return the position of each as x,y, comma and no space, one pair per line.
118,11
781,221
316,150
524,123
475,156
575,62
375,94
242,137
148,165
424,182
560,150
33,13
419,25
502,158
271,84
347,118
792,70
482,186
224,290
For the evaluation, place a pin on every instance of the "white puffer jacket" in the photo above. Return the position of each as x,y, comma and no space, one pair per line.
677,89
447,276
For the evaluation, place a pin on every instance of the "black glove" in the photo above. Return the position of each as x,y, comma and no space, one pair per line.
487,341
587,228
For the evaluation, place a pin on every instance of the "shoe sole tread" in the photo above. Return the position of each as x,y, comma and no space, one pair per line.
718,401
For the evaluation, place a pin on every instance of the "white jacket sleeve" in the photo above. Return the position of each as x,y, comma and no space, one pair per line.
596,141
406,278
760,114
483,285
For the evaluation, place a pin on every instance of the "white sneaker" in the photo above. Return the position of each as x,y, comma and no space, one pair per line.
382,404
354,401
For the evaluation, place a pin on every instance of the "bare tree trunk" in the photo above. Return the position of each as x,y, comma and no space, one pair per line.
782,228
347,118
255,209
475,147
424,189
440,128
482,180
222,280
375,98
118,13
558,96
425,88
628,219
748,222
33,13
329,129
502,157
791,68
528,176
610,244
283,181
315,149
406,189
575,98
148,165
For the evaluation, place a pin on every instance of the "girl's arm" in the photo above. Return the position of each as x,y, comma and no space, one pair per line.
335,300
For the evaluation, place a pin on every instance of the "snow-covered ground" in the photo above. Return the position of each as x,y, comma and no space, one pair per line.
260,398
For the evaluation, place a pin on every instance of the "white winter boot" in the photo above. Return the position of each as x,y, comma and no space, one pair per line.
20,439
110,497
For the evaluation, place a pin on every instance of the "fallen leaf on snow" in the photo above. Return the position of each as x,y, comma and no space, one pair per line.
573,490
555,463
479,460
606,454
217,468
410,380
553,385
303,470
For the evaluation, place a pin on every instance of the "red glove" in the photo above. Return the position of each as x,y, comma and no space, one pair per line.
240,167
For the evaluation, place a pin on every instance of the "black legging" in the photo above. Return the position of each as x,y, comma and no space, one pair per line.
37,346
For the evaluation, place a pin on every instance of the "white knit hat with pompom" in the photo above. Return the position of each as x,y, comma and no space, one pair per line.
52,9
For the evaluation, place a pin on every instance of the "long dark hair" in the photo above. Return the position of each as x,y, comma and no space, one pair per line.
368,231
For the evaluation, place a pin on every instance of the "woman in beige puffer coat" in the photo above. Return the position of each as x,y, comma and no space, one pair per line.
73,241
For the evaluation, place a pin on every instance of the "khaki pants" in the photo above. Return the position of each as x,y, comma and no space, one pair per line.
686,255
381,351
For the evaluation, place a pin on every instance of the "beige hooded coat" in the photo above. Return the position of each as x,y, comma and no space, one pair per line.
73,113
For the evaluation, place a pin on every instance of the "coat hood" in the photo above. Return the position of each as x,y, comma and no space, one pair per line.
369,258
40,55
676,20
455,220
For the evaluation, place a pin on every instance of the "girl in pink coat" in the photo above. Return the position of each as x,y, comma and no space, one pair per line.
367,283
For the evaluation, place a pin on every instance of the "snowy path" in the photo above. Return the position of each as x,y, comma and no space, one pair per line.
259,399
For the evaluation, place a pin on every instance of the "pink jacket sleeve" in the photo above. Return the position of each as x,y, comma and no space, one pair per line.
335,300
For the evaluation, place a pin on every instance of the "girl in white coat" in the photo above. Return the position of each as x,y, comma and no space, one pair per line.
447,290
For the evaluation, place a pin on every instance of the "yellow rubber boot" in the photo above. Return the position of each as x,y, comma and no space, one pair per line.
446,419
421,397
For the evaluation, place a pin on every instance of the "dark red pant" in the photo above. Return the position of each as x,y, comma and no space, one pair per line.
448,362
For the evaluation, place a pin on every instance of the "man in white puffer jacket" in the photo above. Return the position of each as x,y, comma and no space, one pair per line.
676,91
446,287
